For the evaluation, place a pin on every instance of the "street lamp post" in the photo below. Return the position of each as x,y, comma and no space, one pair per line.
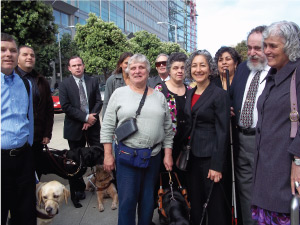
175,27
59,50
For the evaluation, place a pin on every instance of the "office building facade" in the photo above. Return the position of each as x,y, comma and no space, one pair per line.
130,16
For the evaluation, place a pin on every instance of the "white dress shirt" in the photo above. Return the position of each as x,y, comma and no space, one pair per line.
262,83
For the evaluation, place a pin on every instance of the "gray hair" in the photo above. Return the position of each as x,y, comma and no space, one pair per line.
161,54
290,32
259,30
138,58
175,57
211,63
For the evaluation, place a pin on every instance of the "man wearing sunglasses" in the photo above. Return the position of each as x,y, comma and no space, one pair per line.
161,67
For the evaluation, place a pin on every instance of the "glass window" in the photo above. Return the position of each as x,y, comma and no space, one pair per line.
64,19
85,6
104,10
76,20
95,7
56,15
82,21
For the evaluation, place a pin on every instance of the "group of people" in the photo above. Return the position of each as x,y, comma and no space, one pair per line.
253,103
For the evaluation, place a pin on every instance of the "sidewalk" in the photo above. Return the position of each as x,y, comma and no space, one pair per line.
89,213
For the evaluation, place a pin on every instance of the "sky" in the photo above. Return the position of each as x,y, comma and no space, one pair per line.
228,22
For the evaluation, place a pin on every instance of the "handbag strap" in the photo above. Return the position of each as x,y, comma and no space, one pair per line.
142,102
294,114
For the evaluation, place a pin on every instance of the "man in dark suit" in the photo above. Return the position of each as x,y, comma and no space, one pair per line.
81,102
161,67
245,119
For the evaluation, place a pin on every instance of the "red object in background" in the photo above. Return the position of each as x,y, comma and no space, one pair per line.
56,102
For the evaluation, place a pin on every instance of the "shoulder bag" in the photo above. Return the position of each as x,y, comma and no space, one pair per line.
129,127
183,158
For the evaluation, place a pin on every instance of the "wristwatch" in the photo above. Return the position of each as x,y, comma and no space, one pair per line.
296,161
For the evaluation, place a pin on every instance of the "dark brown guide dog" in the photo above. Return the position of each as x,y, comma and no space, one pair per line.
72,165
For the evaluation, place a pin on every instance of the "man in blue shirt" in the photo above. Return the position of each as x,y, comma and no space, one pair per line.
17,164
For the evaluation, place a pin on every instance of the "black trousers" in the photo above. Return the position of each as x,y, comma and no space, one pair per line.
37,149
18,188
93,140
218,211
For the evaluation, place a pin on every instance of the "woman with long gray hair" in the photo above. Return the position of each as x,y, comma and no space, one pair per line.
277,156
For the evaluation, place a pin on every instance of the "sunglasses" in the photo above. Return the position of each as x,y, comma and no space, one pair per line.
162,63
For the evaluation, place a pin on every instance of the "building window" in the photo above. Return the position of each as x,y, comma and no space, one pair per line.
61,18
85,6
95,7
104,10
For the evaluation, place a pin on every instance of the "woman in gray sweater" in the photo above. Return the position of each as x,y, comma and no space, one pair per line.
135,184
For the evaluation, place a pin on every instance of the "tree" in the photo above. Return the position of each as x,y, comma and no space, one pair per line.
30,22
149,45
100,45
242,49
170,47
146,44
50,53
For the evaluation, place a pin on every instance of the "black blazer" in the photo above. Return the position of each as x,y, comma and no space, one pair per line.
70,103
153,81
211,133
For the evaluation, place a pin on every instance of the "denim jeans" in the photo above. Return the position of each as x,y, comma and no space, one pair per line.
136,187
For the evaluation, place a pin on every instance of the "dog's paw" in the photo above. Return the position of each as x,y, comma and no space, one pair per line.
113,206
101,208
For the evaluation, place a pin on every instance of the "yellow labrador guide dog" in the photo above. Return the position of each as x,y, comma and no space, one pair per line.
49,196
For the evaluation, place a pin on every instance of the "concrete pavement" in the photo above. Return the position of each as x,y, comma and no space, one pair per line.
89,213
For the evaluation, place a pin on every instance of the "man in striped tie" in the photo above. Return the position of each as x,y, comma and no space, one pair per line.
247,85
81,102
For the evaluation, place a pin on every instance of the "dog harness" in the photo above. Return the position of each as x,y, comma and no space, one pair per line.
100,188
161,193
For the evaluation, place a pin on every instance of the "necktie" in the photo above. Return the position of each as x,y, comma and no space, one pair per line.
83,100
246,117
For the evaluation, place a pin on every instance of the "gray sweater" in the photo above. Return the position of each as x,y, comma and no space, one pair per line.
154,123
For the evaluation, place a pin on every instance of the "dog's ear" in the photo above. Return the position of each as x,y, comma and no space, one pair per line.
40,197
66,194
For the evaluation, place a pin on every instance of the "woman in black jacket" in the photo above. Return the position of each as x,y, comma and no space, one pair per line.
210,105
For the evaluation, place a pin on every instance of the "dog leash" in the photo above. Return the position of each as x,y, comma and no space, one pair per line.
69,161
161,192
206,204
171,187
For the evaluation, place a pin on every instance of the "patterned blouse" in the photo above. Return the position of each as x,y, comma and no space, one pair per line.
171,104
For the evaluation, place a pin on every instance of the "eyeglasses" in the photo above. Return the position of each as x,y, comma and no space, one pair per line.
162,63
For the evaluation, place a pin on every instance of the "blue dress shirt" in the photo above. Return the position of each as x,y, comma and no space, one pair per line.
16,112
